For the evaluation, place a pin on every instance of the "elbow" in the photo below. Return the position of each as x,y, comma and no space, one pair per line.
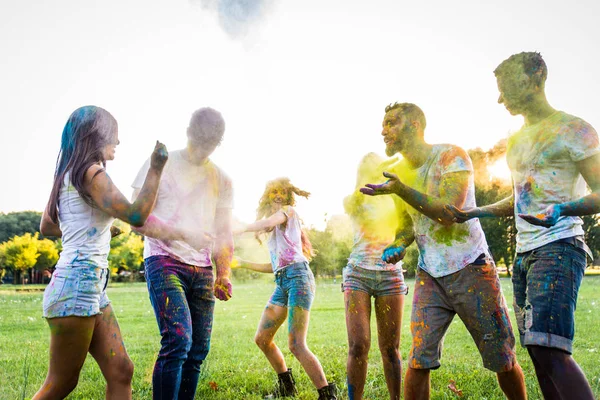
137,220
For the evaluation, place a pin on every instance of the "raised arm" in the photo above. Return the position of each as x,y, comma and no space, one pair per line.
589,168
264,224
108,198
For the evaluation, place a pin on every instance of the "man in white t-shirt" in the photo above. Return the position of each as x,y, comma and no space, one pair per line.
456,273
548,157
188,232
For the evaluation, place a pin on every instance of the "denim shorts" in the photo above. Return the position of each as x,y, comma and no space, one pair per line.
376,283
546,282
76,292
475,295
295,287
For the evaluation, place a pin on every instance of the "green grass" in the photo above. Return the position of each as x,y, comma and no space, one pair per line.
237,366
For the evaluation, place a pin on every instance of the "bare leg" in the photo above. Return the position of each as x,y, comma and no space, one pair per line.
388,310
70,339
298,328
512,383
358,316
270,321
108,350
416,384
564,372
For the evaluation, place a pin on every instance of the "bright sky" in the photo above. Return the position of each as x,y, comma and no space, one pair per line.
302,86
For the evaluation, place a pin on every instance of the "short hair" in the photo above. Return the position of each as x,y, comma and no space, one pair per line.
532,62
412,111
207,126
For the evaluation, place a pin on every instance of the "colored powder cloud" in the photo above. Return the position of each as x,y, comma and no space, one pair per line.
237,17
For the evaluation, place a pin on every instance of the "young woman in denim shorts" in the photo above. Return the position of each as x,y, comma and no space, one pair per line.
290,251
82,207
367,275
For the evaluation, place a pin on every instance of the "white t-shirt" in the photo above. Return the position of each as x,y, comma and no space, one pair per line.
285,242
85,230
188,197
443,250
542,159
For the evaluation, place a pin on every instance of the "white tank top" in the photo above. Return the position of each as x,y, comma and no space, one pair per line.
85,230
285,243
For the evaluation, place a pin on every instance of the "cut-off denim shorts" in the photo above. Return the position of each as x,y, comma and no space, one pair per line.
76,292
546,282
295,287
376,283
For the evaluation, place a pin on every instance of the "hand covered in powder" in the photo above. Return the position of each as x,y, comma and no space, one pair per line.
223,289
394,253
392,185
546,219
159,156
460,216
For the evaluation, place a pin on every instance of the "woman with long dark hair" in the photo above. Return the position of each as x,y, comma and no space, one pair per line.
82,207
290,252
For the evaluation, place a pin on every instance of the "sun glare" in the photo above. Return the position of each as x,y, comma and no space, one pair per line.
499,170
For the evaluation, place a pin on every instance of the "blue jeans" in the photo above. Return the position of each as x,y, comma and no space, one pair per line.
546,282
183,302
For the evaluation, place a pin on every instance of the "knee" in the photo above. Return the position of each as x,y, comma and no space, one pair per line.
297,348
262,342
389,353
359,348
121,373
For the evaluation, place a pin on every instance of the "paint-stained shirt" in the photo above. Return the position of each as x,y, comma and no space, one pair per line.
374,221
85,230
285,242
542,159
188,198
443,250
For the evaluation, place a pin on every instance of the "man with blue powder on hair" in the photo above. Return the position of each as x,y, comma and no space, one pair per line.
187,234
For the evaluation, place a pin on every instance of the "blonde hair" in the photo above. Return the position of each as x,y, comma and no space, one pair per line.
265,207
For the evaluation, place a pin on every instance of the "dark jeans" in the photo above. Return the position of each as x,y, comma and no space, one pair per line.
183,302
546,281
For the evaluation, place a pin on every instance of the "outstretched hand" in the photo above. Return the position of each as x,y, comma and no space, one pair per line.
460,216
393,253
390,186
223,289
546,219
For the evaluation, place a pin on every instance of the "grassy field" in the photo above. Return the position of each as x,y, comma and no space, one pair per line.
236,365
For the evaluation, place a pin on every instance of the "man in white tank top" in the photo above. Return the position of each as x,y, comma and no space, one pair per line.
189,228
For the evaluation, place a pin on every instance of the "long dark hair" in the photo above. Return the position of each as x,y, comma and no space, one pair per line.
88,130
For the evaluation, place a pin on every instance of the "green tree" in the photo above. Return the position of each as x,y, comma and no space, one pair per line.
18,223
331,255
47,254
19,254
126,252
